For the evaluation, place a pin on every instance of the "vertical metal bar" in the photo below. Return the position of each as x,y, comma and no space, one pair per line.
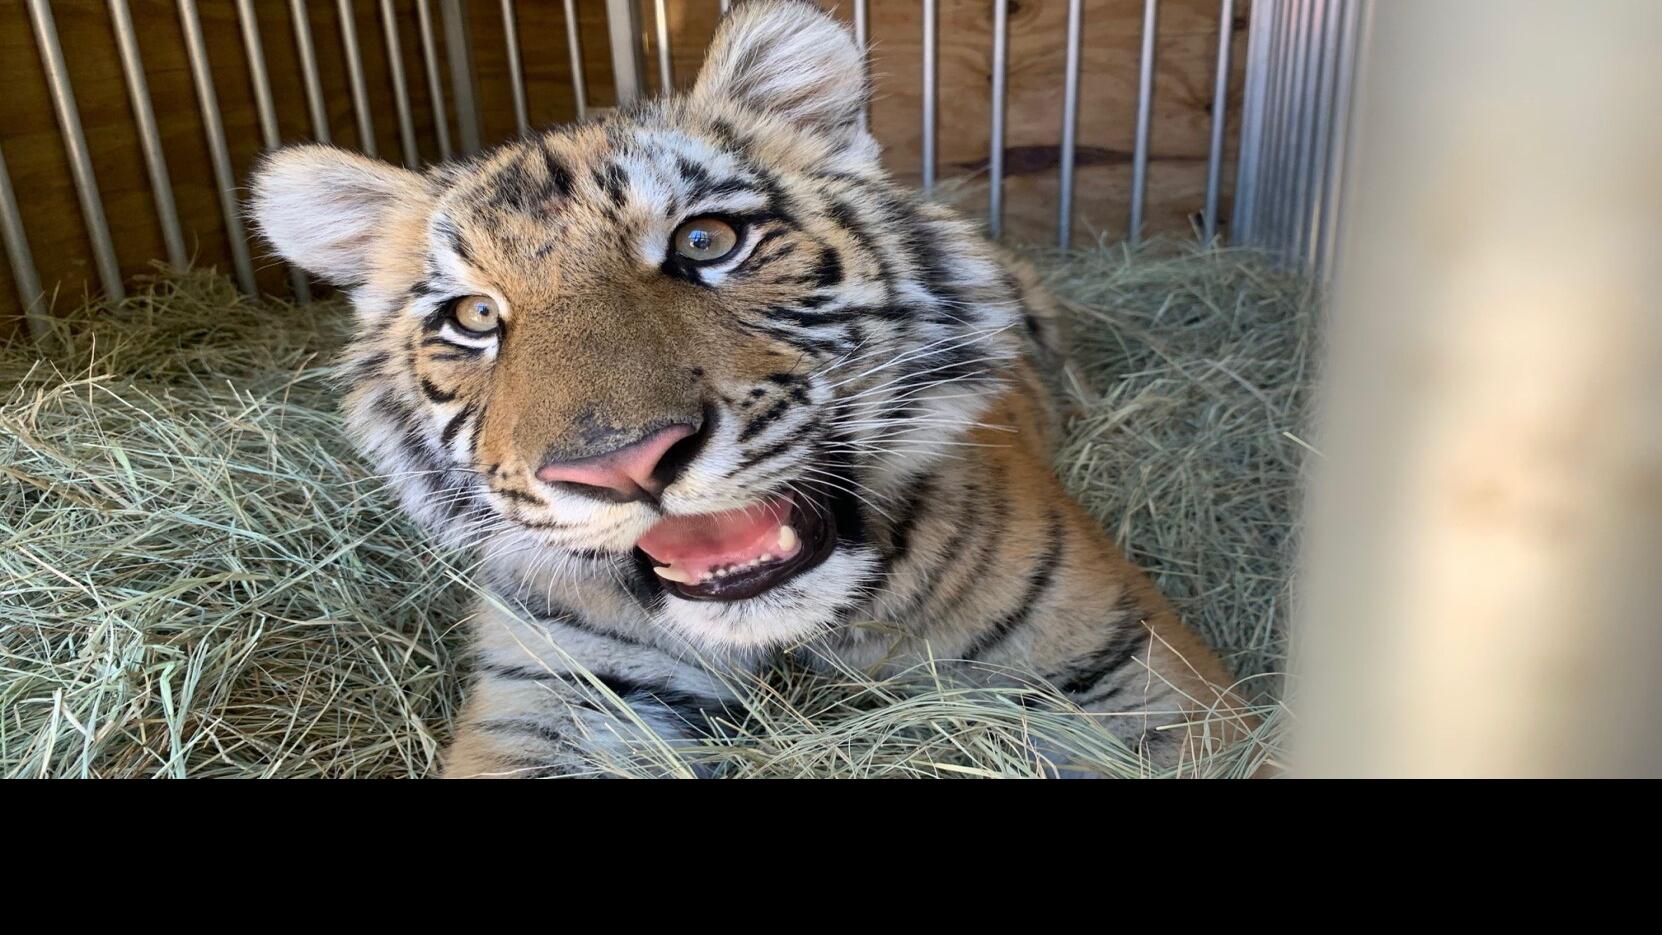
1310,121
308,70
1339,147
456,48
1220,112
1277,166
224,179
75,143
400,92
1264,155
24,275
355,76
666,73
929,17
257,76
1247,164
626,53
1070,125
150,139
1319,150
1145,112
574,44
862,39
265,109
516,71
995,148
1287,201
435,84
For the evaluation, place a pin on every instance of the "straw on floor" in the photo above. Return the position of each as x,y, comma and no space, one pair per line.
199,578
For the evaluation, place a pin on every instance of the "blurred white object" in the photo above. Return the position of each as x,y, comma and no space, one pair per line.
1483,579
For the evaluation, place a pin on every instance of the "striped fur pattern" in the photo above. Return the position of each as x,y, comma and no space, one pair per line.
862,348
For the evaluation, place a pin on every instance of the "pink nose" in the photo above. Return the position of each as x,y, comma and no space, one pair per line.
628,471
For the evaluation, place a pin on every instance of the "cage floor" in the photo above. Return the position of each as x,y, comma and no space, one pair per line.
199,578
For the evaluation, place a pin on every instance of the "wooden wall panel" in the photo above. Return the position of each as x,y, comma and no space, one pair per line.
29,133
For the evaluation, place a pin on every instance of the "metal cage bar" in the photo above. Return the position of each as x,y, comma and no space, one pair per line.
435,82
150,138
516,70
1070,125
308,70
1309,121
355,77
29,293
1145,116
1220,115
1339,144
266,111
574,45
862,38
1252,125
626,53
995,146
400,91
930,15
224,179
461,75
1321,135
666,71
75,144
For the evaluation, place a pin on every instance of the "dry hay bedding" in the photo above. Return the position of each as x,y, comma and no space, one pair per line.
199,578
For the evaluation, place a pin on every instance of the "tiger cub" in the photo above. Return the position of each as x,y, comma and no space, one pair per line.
698,383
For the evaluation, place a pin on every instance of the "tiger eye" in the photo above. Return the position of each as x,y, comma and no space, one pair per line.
477,313
704,240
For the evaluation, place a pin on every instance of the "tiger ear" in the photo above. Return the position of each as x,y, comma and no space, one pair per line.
324,209
790,59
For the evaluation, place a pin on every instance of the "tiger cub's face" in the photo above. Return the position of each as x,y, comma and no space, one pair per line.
702,341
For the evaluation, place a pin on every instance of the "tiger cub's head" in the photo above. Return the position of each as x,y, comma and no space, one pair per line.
702,344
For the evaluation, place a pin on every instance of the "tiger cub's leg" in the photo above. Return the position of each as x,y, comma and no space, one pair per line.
558,696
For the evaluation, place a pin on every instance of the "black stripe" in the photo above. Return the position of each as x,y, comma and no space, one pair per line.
613,182
455,425
765,455
1038,581
434,393
965,523
991,531
828,272
694,710
916,505
521,725
551,614
457,244
559,177
1125,637
757,424
368,368
519,496
448,344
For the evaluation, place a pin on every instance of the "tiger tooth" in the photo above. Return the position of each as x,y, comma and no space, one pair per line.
766,557
671,573
787,539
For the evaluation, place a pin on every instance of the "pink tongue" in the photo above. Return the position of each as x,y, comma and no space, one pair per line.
699,544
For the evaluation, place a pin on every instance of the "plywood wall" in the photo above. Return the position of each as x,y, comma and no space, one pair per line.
30,138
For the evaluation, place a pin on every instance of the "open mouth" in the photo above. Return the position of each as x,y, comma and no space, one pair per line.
738,554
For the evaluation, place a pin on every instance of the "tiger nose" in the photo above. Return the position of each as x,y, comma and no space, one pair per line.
637,471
